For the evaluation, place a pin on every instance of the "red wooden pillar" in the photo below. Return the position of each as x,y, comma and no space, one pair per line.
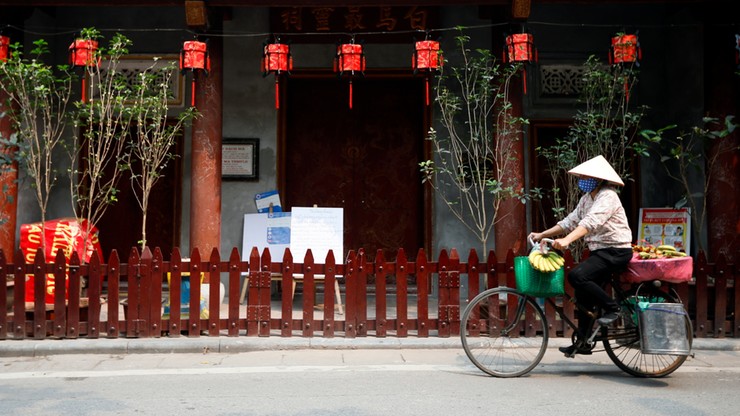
510,233
205,193
8,185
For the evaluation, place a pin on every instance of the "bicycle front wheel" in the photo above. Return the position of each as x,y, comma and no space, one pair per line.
622,342
504,332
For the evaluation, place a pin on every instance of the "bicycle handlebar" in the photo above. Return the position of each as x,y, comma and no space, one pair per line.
544,248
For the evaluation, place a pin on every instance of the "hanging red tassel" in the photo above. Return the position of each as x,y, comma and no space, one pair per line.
277,93
426,88
524,80
192,92
350,94
626,90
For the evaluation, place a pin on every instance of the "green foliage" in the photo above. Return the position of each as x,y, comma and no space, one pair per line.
104,123
607,124
38,95
125,127
694,153
473,167
149,153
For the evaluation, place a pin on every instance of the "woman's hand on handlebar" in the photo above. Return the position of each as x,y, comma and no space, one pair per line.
536,237
560,244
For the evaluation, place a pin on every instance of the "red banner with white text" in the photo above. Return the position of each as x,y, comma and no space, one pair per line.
66,234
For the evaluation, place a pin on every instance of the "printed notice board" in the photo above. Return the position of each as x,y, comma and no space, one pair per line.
317,228
665,226
266,231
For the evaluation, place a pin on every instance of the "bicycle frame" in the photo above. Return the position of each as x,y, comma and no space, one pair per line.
583,340
598,334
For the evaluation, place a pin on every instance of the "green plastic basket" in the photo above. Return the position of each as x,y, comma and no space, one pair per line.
535,283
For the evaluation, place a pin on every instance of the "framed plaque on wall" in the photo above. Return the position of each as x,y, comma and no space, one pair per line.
240,159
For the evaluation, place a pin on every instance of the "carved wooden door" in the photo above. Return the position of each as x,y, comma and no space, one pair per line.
363,159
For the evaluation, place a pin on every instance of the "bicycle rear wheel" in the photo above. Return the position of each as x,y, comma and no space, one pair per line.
504,332
622,342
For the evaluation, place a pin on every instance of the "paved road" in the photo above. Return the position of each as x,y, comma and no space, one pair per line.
364,380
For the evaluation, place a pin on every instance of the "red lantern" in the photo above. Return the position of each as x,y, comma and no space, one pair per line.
83,52
276,58
349,60
4,44
427,58
625,50
194,56
520,49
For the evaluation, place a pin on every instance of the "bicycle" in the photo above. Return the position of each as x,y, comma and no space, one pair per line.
505,332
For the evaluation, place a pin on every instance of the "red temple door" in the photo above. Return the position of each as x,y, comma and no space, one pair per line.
364,160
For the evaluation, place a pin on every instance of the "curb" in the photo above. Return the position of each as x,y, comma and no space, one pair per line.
36,348
33,348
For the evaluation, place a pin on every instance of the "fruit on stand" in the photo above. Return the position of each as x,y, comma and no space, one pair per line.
546,262
649,252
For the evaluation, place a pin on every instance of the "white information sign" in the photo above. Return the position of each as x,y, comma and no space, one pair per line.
320,229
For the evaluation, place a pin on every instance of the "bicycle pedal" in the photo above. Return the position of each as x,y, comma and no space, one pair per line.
608,318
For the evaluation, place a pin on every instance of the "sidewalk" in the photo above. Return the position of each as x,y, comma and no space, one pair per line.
119,346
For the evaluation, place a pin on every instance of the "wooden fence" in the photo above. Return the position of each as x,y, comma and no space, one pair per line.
404,297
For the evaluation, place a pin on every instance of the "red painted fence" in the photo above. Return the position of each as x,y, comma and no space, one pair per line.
404,297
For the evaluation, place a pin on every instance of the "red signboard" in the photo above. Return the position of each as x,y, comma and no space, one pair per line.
66,234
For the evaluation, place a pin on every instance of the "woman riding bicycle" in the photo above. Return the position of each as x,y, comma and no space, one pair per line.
600,219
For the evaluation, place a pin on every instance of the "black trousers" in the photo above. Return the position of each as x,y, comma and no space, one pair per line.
590,276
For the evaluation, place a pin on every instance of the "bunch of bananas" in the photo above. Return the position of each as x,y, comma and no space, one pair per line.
549,262
670,251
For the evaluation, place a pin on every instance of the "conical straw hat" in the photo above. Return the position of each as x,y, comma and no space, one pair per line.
598,168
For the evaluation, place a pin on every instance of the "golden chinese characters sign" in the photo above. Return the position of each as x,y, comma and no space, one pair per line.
380,19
